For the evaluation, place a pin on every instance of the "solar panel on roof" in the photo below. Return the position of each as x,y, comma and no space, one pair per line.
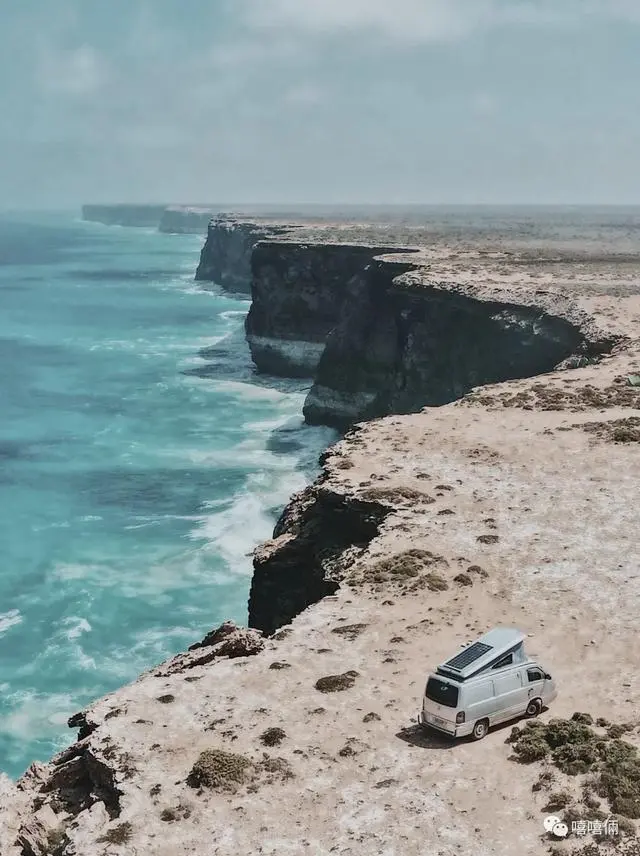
469,655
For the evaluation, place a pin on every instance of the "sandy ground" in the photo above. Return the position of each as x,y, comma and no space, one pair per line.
565,568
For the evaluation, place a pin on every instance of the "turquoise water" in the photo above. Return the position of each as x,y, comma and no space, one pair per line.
140,461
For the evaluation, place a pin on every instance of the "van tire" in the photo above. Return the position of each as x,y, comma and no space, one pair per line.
534,707
480,729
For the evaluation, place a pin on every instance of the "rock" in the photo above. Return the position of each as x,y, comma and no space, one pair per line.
309,554
13,806
227,640
226,256
402,343
32,838
244,642
298,291
83,723
232,641
216,636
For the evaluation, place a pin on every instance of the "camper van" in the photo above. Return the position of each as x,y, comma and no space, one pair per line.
487,682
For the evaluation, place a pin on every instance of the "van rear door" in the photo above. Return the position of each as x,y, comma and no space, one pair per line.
441,702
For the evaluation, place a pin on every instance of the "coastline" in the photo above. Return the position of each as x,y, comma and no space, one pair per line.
429,484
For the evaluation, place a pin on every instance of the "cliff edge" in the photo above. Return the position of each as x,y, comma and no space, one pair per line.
226,255
514,505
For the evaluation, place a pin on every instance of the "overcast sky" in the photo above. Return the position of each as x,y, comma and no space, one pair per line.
332,101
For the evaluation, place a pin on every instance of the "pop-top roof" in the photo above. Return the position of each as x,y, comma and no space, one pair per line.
474,658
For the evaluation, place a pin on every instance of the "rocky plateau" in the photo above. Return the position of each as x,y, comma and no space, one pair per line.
486,384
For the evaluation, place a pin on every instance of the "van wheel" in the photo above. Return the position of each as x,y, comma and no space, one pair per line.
480,729
534,707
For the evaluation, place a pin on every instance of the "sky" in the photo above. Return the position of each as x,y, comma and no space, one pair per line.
328,101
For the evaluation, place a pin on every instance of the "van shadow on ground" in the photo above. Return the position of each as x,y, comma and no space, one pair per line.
423,738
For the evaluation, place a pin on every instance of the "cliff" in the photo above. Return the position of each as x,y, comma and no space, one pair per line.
148,216
298,291
381,331
182,219
226,256
403,341
514,505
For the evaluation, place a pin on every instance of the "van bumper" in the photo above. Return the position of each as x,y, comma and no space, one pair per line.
453,731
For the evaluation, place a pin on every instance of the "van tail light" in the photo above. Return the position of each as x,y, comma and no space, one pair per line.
460,717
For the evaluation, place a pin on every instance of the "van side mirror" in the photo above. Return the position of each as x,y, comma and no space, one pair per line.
547,676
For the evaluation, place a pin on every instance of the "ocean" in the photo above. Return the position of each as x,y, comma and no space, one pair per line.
141,460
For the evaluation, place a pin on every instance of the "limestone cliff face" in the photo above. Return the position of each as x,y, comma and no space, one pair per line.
185,220
298,292
147,216
318,536
226,255
402,343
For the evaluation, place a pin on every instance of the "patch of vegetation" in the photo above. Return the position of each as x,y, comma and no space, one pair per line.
409,569
488,539
575,748
273,736
540,397
350,631
275,769
120,834
476,569
371,717
166,699
444,511
277,666
619,779
616,431
544,780
408,564
616,730
336,683
585,718
463,580
436,582
172,814
558,800
219,770
397,495
344,464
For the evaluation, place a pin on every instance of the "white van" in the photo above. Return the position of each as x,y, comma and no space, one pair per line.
488,682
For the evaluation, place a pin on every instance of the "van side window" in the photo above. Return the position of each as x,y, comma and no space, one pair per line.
505,661
534,675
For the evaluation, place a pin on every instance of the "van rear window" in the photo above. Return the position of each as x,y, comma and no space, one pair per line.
442,693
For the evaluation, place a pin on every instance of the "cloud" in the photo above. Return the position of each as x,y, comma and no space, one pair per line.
78,72
426,21
267,100
304,95
412,20
484,104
